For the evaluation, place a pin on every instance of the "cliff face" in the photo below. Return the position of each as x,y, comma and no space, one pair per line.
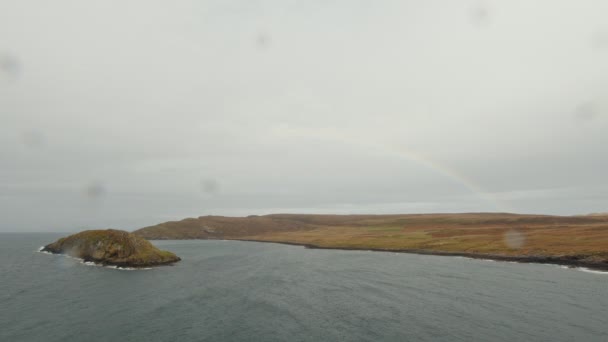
112,247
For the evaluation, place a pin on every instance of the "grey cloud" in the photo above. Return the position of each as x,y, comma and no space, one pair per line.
236,108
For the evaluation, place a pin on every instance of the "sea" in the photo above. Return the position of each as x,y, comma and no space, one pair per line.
250,291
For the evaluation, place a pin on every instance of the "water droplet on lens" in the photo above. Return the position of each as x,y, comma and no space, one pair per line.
210,186
514,239
95,190
9,65
33,139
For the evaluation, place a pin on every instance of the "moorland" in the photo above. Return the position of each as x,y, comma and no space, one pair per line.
580,241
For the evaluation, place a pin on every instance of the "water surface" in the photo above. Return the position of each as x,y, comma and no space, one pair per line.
247,291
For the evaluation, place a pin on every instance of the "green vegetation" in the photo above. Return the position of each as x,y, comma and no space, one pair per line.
112,247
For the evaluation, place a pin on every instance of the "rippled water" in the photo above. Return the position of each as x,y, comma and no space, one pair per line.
246,291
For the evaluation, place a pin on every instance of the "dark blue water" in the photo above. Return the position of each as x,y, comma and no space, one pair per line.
246,291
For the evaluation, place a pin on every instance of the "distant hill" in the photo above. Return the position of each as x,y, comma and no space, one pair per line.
598,214
223,227
569,240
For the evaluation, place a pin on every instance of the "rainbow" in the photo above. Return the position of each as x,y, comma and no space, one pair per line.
401,152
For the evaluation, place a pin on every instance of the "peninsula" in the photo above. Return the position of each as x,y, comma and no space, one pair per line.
112,247
576,241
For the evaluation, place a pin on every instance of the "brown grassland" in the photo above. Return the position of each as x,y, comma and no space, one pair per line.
568,240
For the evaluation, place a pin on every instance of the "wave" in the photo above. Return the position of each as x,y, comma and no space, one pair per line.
126,268
91,263
584,269
114,267
40,250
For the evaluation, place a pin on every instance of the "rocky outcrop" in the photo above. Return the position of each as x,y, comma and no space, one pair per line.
112,247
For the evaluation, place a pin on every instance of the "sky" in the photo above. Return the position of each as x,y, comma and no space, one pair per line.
125,114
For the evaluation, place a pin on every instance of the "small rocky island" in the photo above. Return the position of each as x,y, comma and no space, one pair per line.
111,247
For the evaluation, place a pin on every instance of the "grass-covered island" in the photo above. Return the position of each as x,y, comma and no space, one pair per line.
112,247
578,241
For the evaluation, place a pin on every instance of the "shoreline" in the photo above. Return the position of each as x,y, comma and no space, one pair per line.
568,261
570,241
105,263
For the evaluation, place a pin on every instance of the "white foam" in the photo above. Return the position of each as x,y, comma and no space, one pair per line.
581,269
91,263
133,268
40,250
584,269
114,267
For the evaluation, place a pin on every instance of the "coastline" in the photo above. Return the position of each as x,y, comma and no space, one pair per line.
93,263
568,261
87,260
570,241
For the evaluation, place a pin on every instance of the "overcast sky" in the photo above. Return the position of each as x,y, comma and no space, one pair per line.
129,113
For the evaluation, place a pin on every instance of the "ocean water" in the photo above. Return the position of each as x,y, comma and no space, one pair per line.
247,291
